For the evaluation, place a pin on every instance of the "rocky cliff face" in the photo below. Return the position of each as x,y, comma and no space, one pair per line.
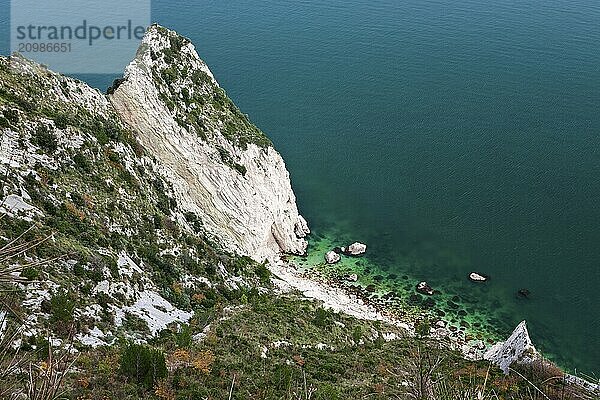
142,198
518,348
221,166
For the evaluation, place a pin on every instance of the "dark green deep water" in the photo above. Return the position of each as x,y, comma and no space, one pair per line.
449,135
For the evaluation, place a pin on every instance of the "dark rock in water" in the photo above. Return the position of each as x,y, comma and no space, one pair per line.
523,293
429,303
367,271
462,313
371,288
467,298
338,250
436,291
415,299
389,295
452,305
392,277
440,313
405,277
477,324
424,288
378,278
453,328
456,299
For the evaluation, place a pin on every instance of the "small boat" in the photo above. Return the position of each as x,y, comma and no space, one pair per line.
477,277
424,288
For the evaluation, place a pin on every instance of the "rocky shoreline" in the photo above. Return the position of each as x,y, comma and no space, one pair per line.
344,294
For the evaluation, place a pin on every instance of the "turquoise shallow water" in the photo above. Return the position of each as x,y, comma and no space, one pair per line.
448,135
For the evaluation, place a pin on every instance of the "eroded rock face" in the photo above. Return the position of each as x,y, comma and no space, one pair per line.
223,168
518,348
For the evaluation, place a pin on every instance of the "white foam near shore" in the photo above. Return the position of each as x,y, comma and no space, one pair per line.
287,279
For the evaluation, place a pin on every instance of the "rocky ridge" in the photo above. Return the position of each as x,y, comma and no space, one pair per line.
221,166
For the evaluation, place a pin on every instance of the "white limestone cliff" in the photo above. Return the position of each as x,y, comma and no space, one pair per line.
241,190
518,348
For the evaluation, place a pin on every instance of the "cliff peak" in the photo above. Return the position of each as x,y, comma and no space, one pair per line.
223,168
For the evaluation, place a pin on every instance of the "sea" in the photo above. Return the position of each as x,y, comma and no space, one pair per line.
450,136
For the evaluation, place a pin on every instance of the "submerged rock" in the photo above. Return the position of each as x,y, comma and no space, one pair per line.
429,303
332,257
414,299
518,348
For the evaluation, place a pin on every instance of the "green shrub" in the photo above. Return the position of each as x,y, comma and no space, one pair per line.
143,364
328,392
263,273
322,317
62,307
357,334
116,83
30,273
422,328
44,139
61,121
240,168
82,163
133,323
11,116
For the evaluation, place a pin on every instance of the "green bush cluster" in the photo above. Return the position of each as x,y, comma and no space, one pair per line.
143,364
44,139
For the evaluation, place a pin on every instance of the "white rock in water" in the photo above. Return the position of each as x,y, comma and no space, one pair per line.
250,209
352,278
518,348
332,257
424,288
474,276
356,249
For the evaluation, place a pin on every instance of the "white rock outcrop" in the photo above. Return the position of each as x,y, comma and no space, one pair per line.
331,257
518,348
252,213
356,249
